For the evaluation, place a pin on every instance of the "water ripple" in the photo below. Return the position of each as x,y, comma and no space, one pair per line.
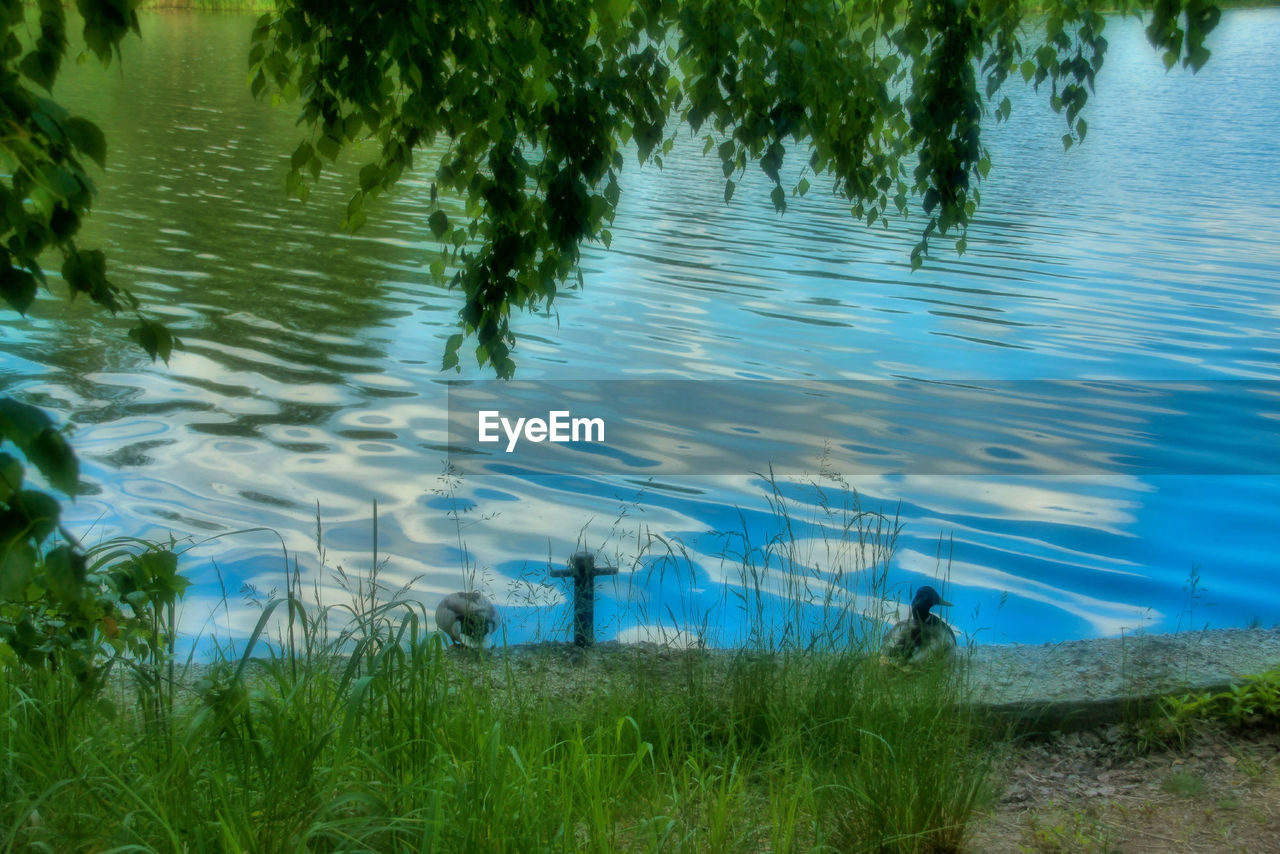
1147,256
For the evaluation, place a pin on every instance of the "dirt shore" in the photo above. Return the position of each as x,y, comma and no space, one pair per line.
1098,792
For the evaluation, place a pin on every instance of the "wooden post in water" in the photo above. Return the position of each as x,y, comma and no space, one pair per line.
582,569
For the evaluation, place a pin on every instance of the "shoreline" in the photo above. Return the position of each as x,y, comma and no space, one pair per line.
1087,683
1066,686
1063,687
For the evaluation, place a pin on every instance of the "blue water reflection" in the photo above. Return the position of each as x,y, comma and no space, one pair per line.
1074,423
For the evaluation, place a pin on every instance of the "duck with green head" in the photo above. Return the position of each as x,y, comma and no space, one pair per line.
922,636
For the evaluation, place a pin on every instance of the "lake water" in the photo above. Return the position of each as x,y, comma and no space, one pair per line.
1075,423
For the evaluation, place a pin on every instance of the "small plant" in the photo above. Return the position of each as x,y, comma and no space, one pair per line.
1077,831
1252,702
1183,783
116,602
1193,592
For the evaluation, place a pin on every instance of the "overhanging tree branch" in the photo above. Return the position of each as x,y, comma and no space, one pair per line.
531,104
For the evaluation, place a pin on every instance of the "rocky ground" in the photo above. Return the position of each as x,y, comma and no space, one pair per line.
1091,683
1106,786
1102,791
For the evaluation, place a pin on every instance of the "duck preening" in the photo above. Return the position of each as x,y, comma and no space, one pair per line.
922,636
466,614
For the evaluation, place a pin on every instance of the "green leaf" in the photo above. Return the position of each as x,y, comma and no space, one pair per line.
351,125
451,352
65,572
17,564
52,455
328,147
40,67
370,176
155,339
157,568
439,223
22,423
39,512
11,472
301,155
729,187
85,271
18,287
262,28
779,200
1196,58
88,138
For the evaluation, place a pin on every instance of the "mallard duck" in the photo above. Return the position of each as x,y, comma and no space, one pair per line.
921,636
466,614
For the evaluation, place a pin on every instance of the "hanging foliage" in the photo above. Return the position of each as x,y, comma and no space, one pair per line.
529,108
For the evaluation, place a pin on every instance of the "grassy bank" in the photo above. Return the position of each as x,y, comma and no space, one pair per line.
209,5
348,726
407,746
351,727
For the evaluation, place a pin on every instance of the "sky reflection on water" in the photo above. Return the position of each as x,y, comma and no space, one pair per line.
1143,261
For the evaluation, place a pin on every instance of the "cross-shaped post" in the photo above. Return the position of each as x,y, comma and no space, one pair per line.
582,569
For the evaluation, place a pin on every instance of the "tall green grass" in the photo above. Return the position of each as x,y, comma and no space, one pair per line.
356,729
410,747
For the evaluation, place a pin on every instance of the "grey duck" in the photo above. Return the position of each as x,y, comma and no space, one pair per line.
466,614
